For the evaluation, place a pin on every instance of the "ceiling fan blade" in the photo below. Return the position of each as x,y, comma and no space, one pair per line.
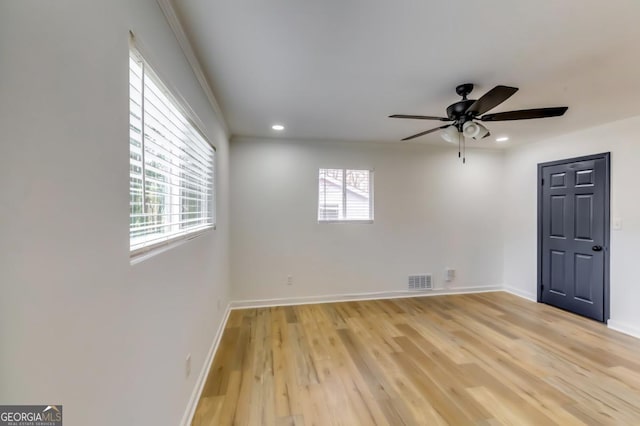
525,114
425,132
419,117
492,99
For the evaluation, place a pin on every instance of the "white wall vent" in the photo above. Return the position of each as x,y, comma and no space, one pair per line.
420,282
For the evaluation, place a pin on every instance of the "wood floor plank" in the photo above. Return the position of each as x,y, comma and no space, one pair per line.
446,376
290,421
508,412
431,392
477,359
285,400
218,379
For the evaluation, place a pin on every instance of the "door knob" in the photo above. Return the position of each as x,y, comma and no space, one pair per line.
596,248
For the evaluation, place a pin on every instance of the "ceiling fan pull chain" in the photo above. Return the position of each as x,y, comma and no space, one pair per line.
459,144
464,150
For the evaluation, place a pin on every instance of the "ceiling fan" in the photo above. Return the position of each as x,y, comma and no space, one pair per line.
465,114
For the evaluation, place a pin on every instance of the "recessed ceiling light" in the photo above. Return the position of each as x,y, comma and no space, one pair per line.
502,139
277,127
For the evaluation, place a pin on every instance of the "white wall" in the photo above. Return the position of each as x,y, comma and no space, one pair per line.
79,325
620,138
82,327
431,212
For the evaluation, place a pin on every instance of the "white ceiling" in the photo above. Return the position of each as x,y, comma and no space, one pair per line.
336,69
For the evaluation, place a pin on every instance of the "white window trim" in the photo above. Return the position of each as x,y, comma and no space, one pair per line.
355,221
172,241
147,252
344,204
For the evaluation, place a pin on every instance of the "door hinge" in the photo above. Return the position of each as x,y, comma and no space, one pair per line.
542,182
541,287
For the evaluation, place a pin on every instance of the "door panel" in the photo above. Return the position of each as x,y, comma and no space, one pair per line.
584,277
558,180
584,177
572,208
558,215
584,217
557,274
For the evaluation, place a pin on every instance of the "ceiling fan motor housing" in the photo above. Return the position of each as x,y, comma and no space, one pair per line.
457,110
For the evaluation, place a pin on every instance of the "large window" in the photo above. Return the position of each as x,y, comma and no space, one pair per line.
345,195
171,171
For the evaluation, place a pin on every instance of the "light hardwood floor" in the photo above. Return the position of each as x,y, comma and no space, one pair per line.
485,359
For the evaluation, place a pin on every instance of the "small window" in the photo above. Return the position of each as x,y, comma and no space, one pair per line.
171,165
345,195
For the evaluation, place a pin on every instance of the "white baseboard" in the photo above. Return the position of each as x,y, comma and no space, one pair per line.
521,293
187,418
287,301
622,327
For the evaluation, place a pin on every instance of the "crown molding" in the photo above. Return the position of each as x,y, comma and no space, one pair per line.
168,8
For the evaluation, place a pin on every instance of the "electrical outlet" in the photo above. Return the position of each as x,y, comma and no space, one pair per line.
289,280
449,274
187,369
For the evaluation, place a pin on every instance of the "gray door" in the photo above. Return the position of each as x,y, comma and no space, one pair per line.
573,208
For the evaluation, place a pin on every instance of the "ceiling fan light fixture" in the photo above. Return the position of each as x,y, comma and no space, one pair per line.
474,130
484,132
450,134
470,129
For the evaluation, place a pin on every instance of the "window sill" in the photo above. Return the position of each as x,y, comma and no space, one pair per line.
346,221
145,253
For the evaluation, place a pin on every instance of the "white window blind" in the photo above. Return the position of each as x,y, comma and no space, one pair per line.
171,171
345,195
